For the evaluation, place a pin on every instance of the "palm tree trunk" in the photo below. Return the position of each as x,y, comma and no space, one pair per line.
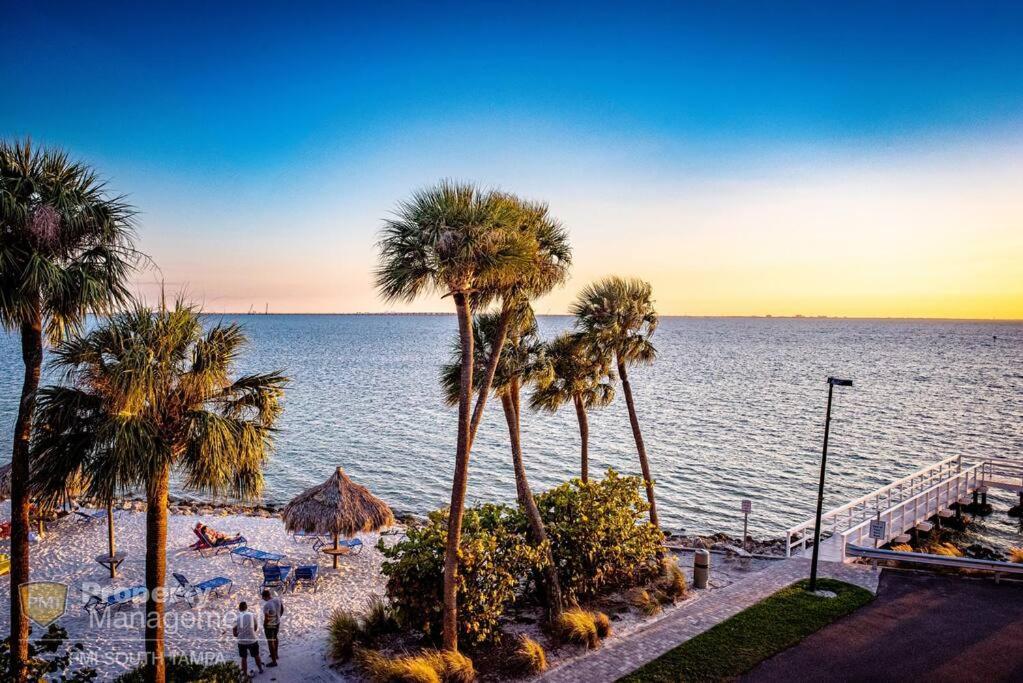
32,355
552,586
461,477
584,435
156,575
488,377
644,464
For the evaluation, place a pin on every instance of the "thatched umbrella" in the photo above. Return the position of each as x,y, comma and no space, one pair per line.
338,507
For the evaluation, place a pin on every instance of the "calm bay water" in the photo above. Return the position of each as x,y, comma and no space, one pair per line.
733,408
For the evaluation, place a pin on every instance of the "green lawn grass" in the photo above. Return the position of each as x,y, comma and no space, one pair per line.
737,644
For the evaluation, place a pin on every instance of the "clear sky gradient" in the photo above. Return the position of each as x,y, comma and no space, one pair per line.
746,158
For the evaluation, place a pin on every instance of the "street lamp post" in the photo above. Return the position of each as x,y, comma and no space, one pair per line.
832,383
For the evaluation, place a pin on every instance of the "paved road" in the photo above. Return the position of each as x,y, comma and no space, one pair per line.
921,627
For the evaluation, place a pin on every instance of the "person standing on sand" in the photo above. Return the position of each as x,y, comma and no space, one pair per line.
248,643
273,609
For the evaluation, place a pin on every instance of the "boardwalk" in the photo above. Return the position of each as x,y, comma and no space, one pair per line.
624,655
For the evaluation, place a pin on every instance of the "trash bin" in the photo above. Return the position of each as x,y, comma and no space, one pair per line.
701,568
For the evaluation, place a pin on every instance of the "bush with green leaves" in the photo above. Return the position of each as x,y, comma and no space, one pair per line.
494,560
185,670
599,535
50,657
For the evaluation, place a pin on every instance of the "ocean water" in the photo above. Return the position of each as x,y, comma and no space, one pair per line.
732,408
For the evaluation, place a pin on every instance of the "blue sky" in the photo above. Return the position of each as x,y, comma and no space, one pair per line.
249,135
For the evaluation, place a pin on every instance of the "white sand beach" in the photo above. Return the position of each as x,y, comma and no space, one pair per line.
67,554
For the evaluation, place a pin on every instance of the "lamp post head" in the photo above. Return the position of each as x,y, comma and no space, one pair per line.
836,382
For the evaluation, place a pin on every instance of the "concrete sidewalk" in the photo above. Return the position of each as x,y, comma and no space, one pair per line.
621,656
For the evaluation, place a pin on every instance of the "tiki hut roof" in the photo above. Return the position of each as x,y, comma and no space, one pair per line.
338,506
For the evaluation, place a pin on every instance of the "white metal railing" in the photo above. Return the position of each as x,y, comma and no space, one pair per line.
910,512
865,508
1003,471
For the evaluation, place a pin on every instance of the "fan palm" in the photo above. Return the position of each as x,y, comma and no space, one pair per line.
580,375
617,316
455,239
66,249
551,257
522,361
145,393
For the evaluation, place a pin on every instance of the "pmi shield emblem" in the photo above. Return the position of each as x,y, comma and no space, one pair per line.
43,601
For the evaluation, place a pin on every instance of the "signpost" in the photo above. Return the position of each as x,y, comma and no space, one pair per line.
747,507
878,530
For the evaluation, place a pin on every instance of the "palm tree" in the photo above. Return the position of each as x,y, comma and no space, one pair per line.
580,375
455,239
522,361
148,392
66,249
617,315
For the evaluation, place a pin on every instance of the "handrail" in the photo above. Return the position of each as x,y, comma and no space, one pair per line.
941,470
960,483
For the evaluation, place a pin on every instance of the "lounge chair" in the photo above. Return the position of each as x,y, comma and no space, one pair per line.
319,540
5,564
193,593
206,546
247,554
98,604
354,545
90,516
305,575
276,577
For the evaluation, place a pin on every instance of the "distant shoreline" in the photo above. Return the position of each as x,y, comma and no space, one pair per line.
693,317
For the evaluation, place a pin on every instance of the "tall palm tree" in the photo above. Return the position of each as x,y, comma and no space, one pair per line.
617,315
522,361
66,249
455,239
148,392
580,375
551,258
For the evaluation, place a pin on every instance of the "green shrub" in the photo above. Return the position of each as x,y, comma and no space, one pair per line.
49,658
599,535
494,561
345,630
529,658
184,670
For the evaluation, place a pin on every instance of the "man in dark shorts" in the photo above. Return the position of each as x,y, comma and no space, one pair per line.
248,642
273,608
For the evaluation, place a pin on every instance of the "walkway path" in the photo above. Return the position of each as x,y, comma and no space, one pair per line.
623,655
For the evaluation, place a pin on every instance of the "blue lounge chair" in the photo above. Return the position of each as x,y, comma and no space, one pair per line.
194,593
354,545
205,546
90,516
98,603
276,577
319,540
247,554
305,575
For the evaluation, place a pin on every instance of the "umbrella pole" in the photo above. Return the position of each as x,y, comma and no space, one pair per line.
335,551
110,537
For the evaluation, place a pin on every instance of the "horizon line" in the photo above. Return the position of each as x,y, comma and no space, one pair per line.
766,316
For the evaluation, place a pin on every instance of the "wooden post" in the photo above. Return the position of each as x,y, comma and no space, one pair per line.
110,538
335,551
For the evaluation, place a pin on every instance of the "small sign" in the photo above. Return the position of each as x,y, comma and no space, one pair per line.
747,506
878,529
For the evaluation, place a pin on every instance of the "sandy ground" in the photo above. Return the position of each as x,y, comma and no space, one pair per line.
67,554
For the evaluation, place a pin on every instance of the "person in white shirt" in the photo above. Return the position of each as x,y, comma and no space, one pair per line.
248,643
273,608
